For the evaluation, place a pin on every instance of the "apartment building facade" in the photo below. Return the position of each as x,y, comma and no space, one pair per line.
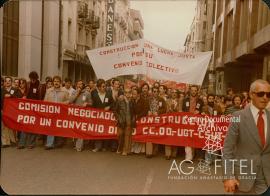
237,31
51,37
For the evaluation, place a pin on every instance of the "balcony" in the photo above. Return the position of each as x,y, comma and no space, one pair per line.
90,19
81,50
96,22
82,10
93,32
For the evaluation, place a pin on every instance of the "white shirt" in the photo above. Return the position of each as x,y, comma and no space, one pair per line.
70,91
101,96
255,114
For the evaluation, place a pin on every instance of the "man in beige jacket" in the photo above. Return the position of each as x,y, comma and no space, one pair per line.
56,94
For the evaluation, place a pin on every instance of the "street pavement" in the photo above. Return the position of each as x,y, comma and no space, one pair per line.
66,171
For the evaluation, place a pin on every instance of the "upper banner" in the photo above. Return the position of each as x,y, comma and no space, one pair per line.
177,129
144,57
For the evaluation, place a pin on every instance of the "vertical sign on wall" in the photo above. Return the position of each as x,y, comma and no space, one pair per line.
110,22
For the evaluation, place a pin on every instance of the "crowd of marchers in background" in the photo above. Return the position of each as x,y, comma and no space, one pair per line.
128,105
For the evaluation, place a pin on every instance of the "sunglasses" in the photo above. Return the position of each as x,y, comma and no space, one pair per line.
261,94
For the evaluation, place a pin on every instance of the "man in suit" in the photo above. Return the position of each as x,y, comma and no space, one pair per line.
246,152
103,100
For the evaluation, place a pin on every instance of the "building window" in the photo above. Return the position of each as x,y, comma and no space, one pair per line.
243,23
204,24
229,31
10,38
205,7
69,30
218,41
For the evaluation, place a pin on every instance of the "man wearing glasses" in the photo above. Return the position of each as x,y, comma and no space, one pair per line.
246,153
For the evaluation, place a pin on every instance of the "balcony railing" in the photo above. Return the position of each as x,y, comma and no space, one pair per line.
93,32
81,48
96,22
82,10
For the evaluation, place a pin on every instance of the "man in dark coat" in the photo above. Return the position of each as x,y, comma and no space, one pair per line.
103,100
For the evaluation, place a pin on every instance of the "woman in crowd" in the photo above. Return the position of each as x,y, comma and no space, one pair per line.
23,87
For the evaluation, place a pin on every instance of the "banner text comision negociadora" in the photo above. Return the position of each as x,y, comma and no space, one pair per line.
177,129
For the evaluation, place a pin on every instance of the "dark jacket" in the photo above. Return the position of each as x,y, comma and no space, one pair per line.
42,91
13,92
142,107
33,90
120,112
186,105
97,103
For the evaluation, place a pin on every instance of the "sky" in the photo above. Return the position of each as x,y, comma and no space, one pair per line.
166,22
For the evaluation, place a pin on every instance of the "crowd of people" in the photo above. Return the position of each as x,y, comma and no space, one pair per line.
128,104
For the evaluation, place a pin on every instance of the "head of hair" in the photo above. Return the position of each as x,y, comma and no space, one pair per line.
145,84
79,81
255,83
164,87
68,80
194,86
228,90
48,79
9,78
115,80
136,89
22,80
154,87
210,95
237,95
227,98
176,91
91,80
33,75
156,83
57,77
100,82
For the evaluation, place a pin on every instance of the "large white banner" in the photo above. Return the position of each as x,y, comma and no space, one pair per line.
144,57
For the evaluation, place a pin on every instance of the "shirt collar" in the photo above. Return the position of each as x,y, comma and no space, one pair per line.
255,110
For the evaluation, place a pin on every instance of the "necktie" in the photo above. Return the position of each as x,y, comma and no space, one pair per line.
260,125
